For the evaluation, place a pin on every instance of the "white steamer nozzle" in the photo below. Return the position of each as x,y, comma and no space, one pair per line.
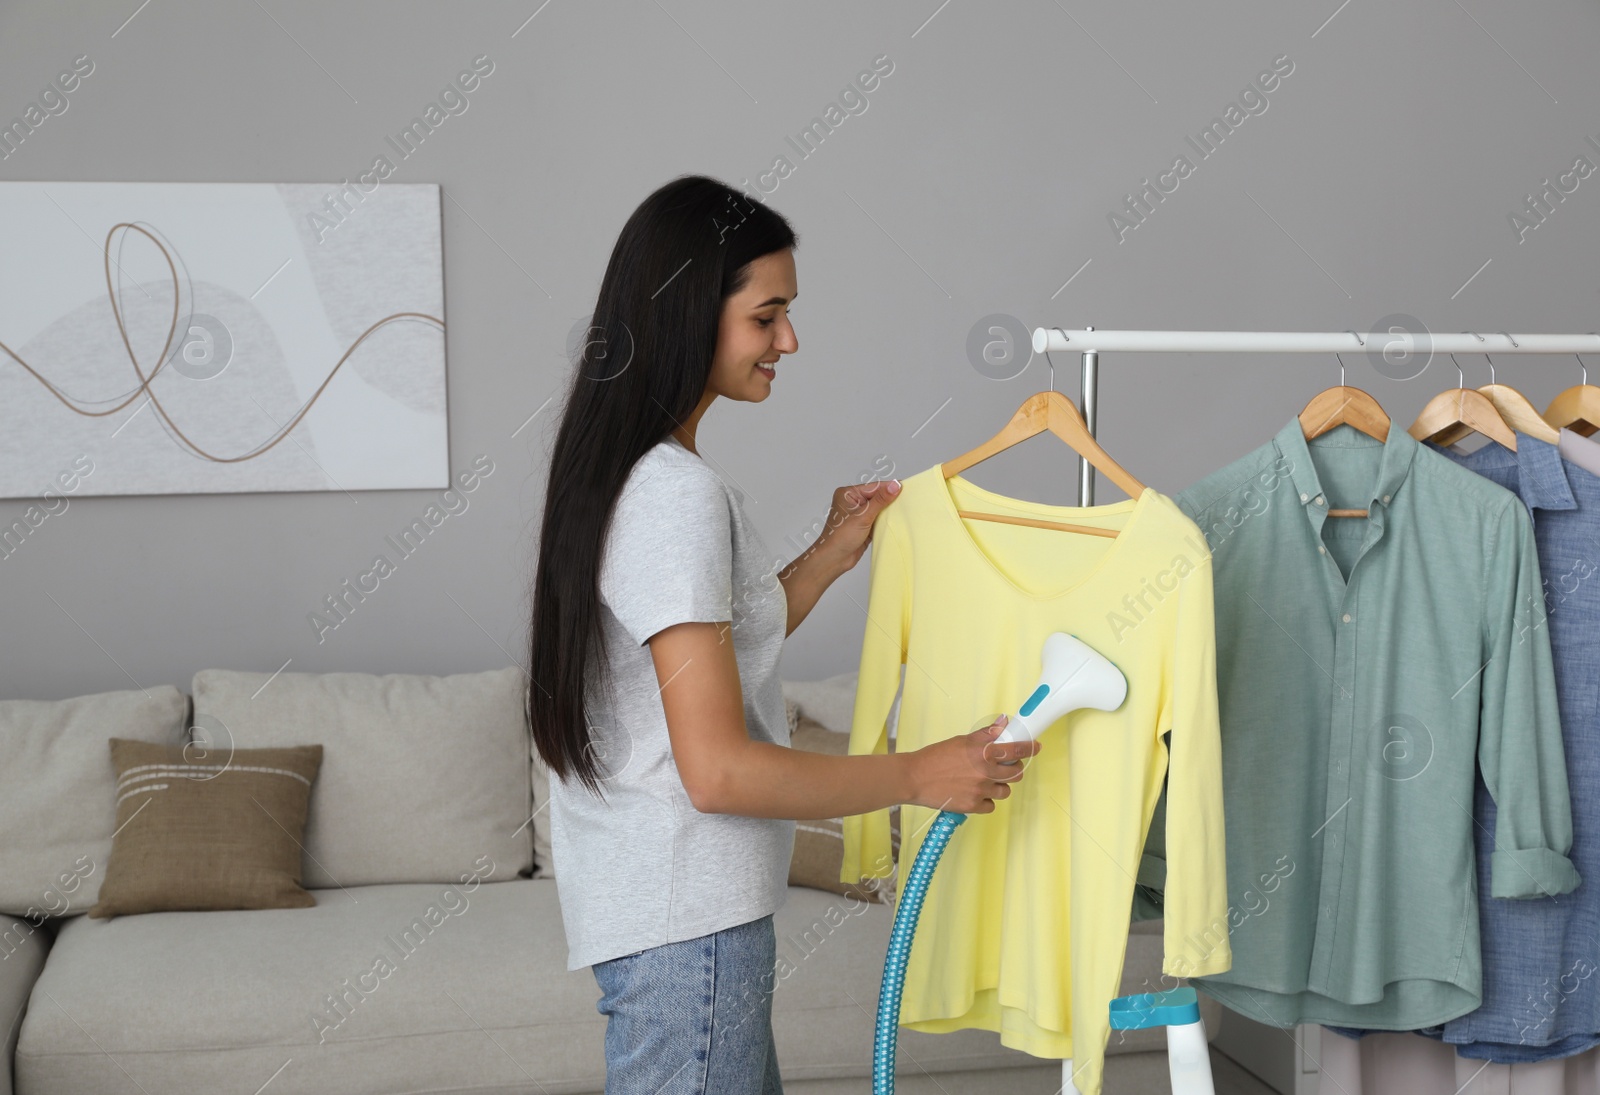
1074,675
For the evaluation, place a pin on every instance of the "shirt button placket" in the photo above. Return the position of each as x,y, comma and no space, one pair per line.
1338,802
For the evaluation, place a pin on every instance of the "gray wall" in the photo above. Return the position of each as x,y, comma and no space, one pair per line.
979,180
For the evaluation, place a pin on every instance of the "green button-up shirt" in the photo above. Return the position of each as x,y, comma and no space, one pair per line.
1367,670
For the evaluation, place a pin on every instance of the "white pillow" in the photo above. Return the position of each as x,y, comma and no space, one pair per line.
58,791
544,856
423,779
832,701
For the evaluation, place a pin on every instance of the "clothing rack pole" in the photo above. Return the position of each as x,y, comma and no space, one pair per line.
1089,386
1090,343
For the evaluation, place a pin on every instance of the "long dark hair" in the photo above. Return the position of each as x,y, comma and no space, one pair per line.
641,370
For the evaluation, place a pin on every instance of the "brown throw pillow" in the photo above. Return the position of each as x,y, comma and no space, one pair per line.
222,831
819,845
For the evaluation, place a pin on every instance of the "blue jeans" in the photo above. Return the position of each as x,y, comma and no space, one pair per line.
693,1017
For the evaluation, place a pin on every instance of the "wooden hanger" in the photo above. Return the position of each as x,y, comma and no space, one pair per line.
1576,409
1514,408
1519,414
1344,406
1453,408
1047,411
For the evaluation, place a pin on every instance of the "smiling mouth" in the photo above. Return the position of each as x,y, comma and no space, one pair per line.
768,371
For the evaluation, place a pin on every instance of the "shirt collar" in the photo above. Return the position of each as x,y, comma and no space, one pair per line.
1399,447
1541,477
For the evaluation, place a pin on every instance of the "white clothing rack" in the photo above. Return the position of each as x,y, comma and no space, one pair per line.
1090,343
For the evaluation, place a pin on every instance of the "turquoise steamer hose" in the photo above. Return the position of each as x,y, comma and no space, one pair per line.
1073,676
1176,1009
908,908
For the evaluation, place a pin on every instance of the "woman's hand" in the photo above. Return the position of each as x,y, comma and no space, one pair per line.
849,527
966,773
850,519
838,548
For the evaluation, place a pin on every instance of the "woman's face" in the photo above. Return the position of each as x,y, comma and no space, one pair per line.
755,330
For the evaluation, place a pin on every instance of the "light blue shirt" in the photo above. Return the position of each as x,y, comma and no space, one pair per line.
1541,959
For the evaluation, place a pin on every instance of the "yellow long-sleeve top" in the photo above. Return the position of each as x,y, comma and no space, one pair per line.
1025,924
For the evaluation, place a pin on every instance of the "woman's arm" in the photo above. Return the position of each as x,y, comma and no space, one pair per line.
725,772
840,546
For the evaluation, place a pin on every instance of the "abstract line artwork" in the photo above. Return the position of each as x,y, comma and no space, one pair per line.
195,338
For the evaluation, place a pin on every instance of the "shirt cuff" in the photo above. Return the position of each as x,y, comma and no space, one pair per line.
1218,960
1531,872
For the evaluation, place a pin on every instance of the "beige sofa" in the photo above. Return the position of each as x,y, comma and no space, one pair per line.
425,780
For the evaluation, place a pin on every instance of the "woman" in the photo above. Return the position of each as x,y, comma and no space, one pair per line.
658,620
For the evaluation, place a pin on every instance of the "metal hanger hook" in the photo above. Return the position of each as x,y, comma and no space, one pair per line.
1462,382
1048,360
1490,360
1341,368
1584,367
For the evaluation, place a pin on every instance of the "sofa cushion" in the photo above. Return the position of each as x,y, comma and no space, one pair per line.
23,946
416,988
207,834
420,776
58,793
830,701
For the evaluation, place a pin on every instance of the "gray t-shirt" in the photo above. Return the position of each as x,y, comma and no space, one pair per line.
644,867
